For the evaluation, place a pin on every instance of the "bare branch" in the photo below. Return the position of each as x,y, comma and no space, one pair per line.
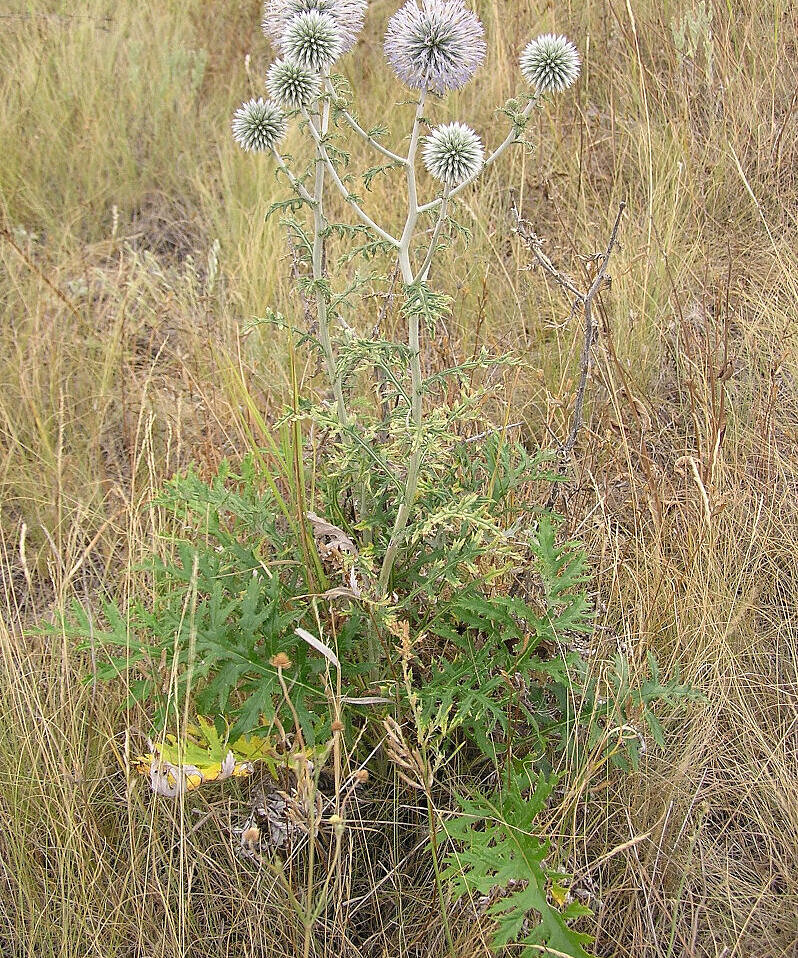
581,301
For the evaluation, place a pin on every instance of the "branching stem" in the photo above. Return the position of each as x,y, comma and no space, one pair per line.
318,126
325,158
414,342
374,143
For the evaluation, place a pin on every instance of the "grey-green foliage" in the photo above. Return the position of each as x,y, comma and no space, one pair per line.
491,636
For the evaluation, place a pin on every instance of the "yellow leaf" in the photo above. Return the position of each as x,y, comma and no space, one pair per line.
174,765
559,895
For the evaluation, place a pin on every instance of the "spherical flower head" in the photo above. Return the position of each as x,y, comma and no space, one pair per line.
550,63
348,15
292,85
313,40
259,125
453,153
437,46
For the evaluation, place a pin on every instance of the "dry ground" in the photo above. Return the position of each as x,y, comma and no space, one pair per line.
133,255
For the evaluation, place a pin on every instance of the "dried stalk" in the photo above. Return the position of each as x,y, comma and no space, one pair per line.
581,301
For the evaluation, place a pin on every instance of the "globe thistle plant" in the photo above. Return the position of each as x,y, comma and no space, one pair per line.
348,15
550,63
437,46
292,85
259,125
433,46
453,153
313,40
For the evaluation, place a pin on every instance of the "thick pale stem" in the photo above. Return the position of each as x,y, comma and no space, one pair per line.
414,342
319,226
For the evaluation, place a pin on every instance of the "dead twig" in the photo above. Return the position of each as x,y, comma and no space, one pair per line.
35,268
581,301
65,19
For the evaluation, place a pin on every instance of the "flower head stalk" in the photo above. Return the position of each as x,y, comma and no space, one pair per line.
436,47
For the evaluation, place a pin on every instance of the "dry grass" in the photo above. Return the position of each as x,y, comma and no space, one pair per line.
121,362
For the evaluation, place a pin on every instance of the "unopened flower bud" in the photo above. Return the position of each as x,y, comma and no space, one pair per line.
292,85
453,153
313,40
348,15
550,63
259,125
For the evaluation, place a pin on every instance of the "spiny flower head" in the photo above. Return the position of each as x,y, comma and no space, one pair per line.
348,15
550,63
313,40
292,85
453,153
437,46
259,125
